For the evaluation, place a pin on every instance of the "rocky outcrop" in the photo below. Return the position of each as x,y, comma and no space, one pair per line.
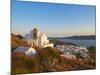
17,41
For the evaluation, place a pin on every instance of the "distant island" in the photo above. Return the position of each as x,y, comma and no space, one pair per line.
81,37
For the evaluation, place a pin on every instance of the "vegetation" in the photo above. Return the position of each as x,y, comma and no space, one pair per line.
92,53
48,60
92,49
43,62
22,63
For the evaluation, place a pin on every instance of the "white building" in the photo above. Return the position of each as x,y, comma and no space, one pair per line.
31,52
38,38
27,50
71,51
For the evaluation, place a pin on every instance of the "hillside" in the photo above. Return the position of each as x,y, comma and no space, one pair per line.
49,60
17,40
56,42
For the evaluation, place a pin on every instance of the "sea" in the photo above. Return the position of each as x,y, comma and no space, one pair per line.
86,43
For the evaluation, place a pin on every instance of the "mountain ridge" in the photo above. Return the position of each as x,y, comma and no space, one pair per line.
77,37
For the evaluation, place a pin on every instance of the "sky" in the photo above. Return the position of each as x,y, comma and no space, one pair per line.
56,20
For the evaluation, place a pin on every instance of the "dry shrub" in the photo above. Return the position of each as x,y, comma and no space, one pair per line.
43,62
16,42
65,64
49,57
22,63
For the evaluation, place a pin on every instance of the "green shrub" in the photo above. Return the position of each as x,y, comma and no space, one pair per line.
50,59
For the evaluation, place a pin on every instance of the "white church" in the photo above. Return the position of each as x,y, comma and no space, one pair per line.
35,37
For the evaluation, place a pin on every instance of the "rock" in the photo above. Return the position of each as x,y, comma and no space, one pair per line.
68,56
